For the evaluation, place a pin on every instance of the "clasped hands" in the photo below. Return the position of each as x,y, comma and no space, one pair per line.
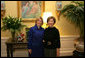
49,43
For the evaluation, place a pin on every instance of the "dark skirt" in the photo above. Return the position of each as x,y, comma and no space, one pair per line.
49,52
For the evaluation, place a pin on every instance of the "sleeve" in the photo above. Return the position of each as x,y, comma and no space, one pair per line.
44,37
30,38
58,39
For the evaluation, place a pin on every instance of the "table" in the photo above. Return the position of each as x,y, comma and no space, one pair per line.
12,46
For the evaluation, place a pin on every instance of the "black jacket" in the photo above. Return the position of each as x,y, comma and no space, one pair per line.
51,35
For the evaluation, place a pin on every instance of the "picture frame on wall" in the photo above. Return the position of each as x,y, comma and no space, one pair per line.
58,8
59,5
30,10
2,5
2,9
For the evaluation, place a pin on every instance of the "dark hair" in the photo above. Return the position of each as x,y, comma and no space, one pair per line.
51,17
38,19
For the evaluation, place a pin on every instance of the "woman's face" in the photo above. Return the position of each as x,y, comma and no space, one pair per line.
39,22
50,23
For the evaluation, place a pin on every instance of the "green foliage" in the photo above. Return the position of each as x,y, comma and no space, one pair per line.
12,24
74,13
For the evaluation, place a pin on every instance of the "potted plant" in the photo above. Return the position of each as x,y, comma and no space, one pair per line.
14,25
74,13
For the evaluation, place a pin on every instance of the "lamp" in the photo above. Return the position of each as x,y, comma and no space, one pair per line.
58,8
45,16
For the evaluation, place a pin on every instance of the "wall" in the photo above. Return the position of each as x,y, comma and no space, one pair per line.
11,9
63,25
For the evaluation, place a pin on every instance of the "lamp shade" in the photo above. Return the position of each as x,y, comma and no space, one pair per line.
46,15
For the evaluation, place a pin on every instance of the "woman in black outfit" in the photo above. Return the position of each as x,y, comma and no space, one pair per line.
51,39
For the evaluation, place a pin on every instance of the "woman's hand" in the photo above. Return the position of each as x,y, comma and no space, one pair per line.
58,52
43,40
30,51
49,43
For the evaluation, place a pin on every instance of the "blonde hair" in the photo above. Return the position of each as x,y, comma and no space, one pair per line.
38,19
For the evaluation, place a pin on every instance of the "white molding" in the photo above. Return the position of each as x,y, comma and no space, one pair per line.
70,36
3,38
66,53
66,36
64,50
67,46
